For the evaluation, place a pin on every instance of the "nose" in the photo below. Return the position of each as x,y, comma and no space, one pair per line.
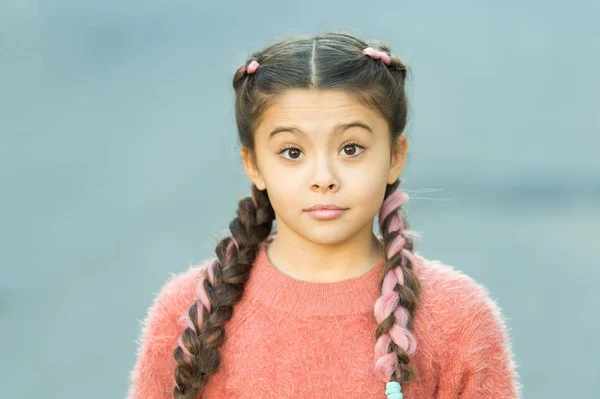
325,177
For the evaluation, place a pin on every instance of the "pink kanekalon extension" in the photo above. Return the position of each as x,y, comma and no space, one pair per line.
203,300
387,304
378,55
186,353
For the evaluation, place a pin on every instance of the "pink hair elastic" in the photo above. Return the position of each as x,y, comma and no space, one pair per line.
378,55
252,66
370,51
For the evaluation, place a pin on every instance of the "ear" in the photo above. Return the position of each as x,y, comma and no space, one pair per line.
398,159
251,169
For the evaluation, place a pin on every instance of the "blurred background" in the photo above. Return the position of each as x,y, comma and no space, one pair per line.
120,166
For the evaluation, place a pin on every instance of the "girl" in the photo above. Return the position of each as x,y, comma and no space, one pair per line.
324,308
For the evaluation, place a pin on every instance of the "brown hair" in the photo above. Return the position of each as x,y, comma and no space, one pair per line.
325,61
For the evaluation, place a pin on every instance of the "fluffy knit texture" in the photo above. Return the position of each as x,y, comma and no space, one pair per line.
296,339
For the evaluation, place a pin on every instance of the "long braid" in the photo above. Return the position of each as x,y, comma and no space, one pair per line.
220,287
400,289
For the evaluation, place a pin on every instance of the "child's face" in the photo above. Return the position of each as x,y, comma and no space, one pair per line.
324,167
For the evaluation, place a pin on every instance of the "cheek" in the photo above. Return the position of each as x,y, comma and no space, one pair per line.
369,185
283,190
279,179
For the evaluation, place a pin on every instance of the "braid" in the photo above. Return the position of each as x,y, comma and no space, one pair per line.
400,288
221,286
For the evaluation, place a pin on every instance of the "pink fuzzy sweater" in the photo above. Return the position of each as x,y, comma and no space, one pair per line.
297,339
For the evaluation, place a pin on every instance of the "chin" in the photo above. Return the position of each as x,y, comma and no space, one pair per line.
329,235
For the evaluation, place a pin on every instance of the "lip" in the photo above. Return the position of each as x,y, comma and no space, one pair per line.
326,214
319,207
325,211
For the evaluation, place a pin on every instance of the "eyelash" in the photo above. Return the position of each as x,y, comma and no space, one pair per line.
354,143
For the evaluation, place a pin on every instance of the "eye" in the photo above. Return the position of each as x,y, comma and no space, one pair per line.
295,151
354,144
291,149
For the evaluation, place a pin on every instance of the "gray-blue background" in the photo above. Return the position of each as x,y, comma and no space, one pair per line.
119,166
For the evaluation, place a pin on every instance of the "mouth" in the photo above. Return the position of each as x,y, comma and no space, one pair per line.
326,214
325,207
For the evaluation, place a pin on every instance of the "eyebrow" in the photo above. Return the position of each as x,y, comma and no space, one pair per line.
338,129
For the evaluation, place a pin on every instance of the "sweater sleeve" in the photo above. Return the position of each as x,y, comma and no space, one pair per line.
485,362
152,376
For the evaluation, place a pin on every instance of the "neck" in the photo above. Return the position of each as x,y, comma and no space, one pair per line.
306,260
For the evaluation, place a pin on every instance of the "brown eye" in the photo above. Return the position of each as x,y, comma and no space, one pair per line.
292,151
350,149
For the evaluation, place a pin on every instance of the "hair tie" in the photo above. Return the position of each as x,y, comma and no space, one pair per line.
378,55
252,66
393,390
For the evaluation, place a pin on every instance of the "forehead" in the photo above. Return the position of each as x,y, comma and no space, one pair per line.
315,110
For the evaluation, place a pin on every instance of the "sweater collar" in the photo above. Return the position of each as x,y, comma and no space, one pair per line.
275,289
